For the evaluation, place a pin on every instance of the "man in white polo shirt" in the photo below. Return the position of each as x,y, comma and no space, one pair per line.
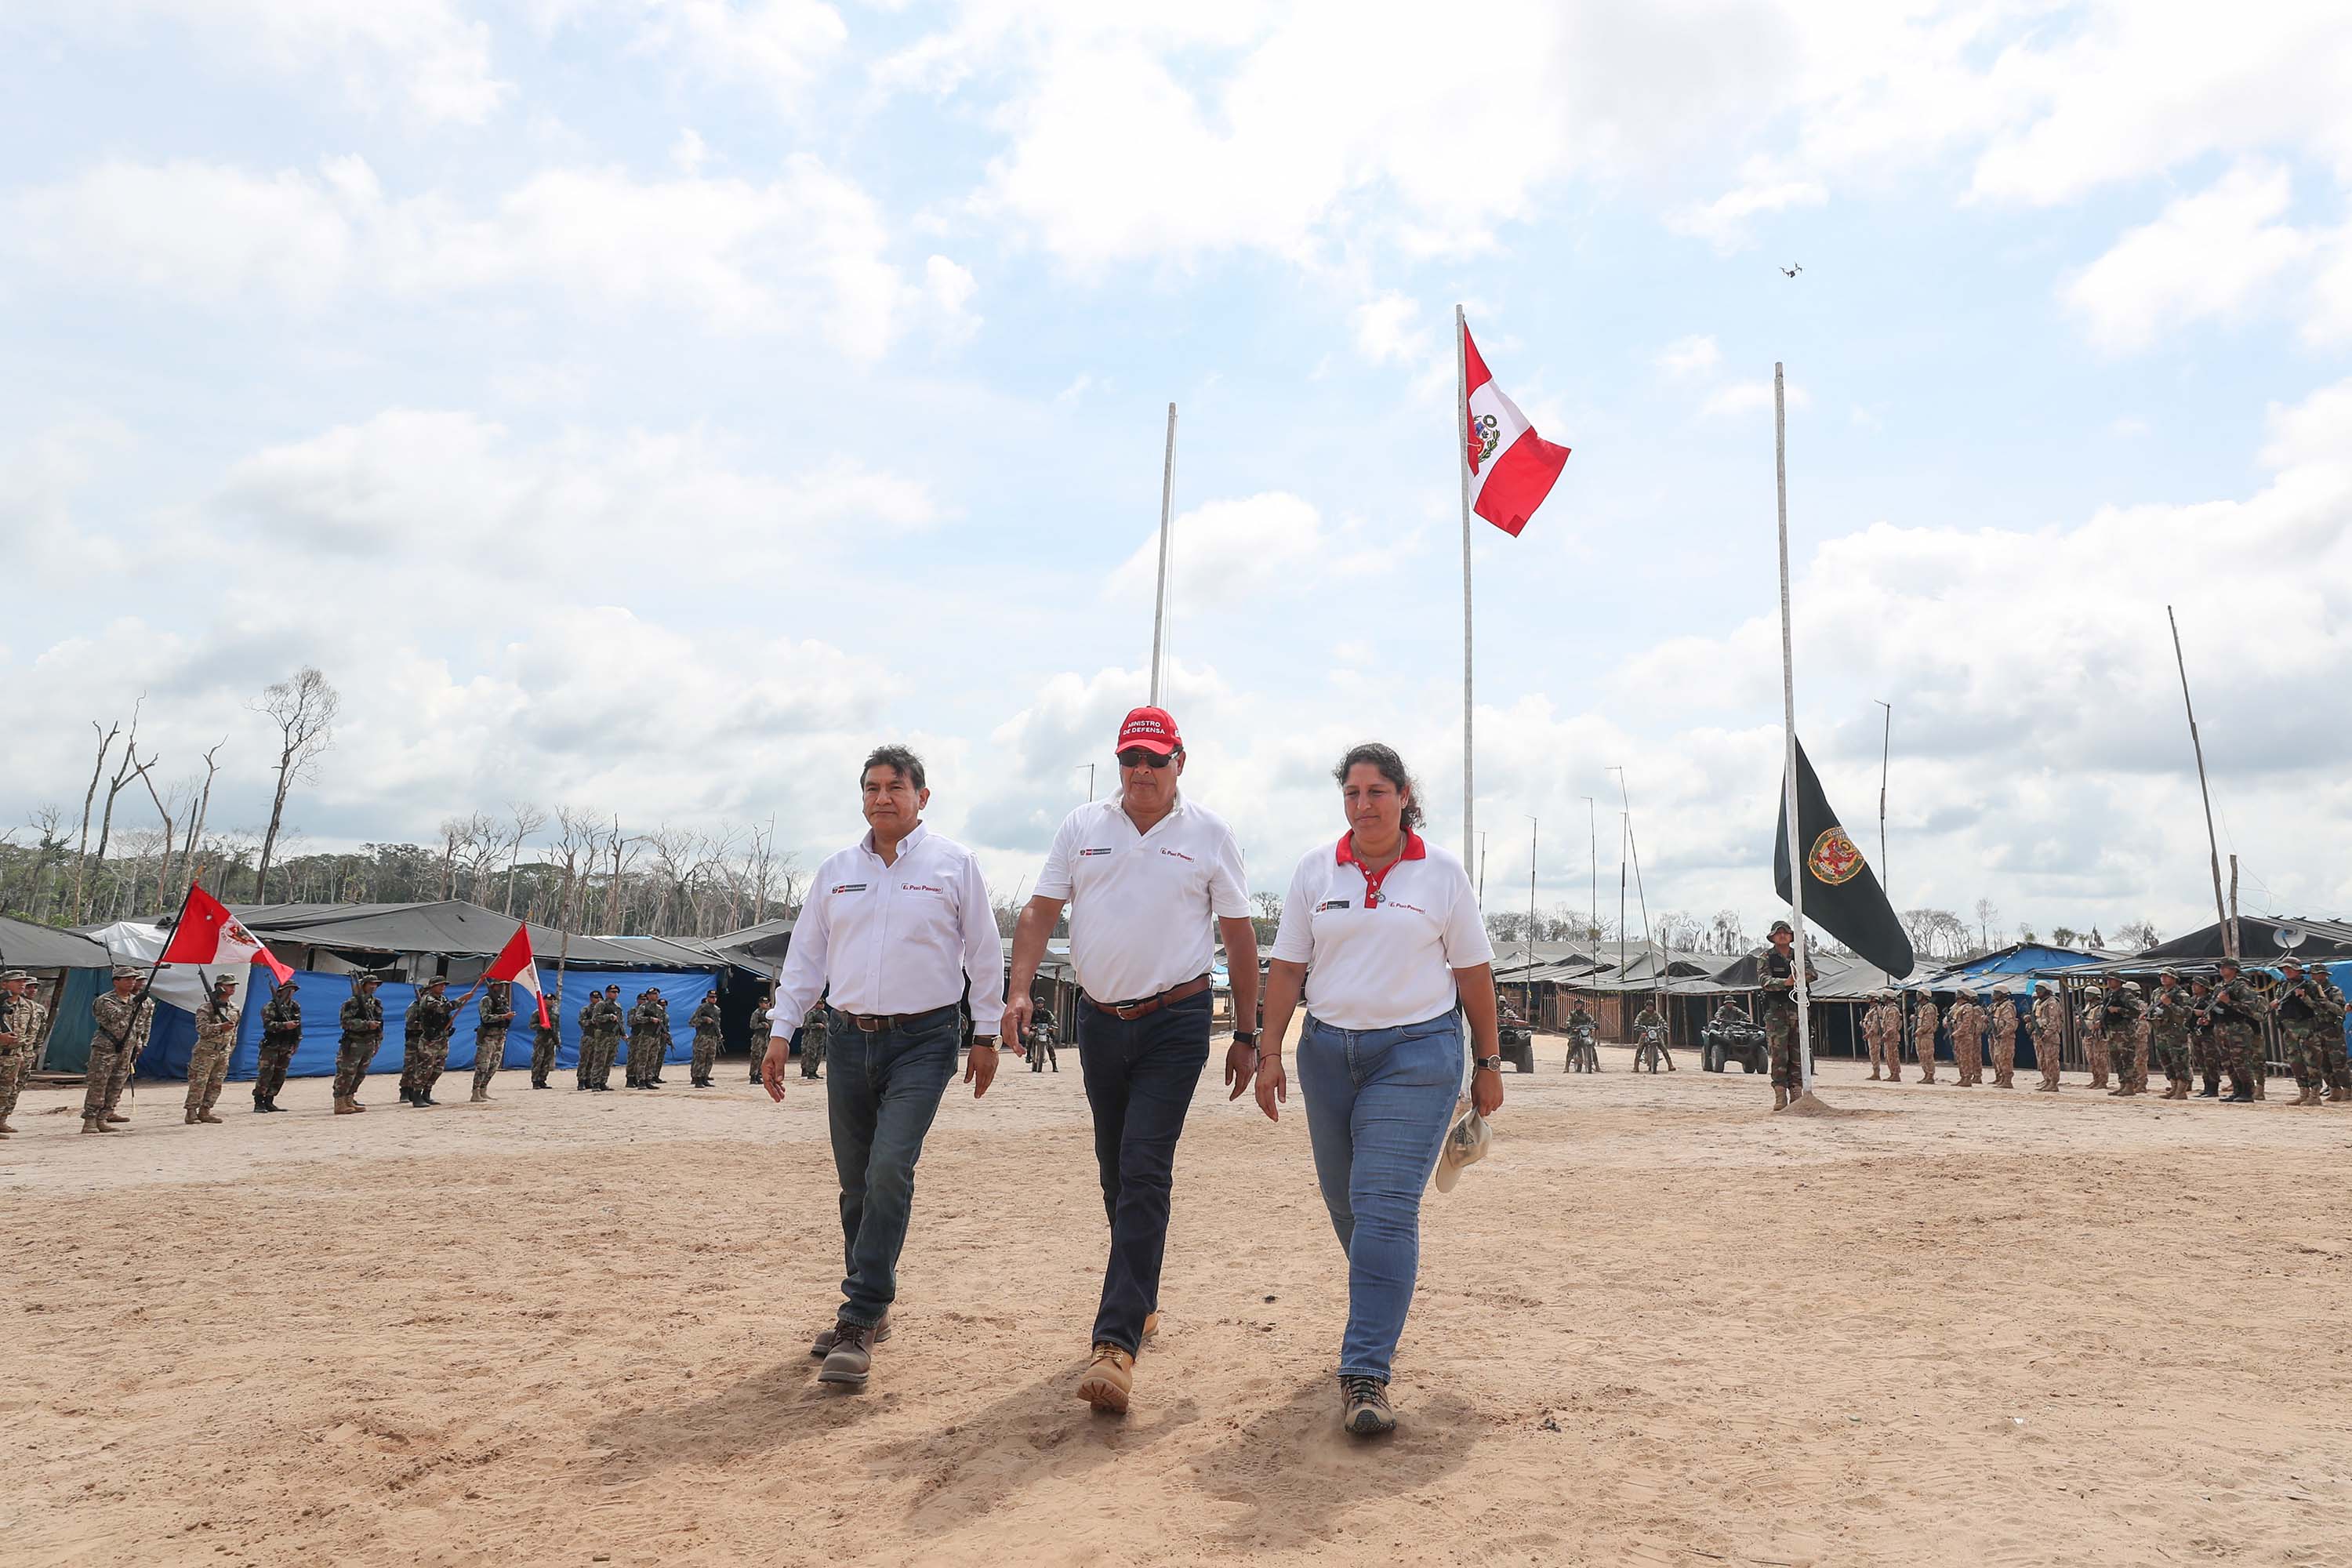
1149,876
896,929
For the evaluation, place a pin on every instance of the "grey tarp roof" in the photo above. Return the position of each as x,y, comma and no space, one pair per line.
2323,942
1842,979
759,947
449,926
24,945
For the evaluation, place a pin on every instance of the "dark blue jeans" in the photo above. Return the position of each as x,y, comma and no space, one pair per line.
881,1091
1140,1078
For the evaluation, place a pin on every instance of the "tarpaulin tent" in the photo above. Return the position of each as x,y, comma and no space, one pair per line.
323,996
441,930
72,968
24,945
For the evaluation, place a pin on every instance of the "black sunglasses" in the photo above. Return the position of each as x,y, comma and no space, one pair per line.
1136,757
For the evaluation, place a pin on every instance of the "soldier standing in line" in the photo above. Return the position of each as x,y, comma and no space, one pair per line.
124,1016
763,1029
1871,1044
216,1020
412,1047
2303,1023
811,1040
2168,1026
362,1024
490,1026
281,1032
1779,983
706,1040
545,1040
2117,1011
2338,1070
1968,1038
436,1018
1041,1042
2003,1038
21,1018
2048,1035
589,1016
644,1025
1923,1035
605,1014
1883,1027
661,1012
2141,1030
2094,1037
2236,1008
2204,1048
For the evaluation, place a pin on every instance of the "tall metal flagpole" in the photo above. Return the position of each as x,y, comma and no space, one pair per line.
1797,849
2228,931
1592,849
1462,463
1885,757
1160,600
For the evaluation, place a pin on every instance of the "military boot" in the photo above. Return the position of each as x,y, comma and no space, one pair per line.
2213,1090
95,1124
206,1115
189,1119
1779,1097
481,1096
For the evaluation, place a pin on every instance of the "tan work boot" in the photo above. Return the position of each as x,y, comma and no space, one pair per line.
116,1116
206,1115
480,1097
1779,1097
95,1124
1110,1379
189,1118
1150,1324
349,1105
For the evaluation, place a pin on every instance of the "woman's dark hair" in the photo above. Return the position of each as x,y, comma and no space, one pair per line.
898,758
1392,768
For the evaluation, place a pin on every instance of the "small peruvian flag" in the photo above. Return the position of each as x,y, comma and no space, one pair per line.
206,933
1511,467
514,963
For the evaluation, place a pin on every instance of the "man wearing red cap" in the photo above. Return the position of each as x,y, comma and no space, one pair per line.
1150,876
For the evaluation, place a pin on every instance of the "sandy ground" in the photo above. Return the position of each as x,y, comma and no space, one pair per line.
1661,1326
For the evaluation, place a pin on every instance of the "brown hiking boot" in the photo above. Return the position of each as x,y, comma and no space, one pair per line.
95,1124
1110,1377
189,1118
1779,1097
116,1116
480,1095
851,1360
822,1346
1364,1408
206,1115
349,1105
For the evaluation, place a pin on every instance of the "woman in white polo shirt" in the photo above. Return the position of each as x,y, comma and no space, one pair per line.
1381,934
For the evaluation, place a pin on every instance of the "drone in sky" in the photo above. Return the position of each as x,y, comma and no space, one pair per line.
1792,270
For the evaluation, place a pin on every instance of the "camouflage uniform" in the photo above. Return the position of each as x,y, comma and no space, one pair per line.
490,1025
435,1020
1882,1031
1923,1036
412,1051
2307,1022
1779,987
2094,1038
706,1041
362,1024
216,1022
2049,1038
2204,1048
763,1029
2168,1026
1041,1043
2004,1039
544,1042
2236,1006
812,1039
2140,1032
646,1044
589,1023
1580,1055
114,1047
1648,1019
1968,1039
602,1016
2338,1070
2117,1010
21,1019
281,1032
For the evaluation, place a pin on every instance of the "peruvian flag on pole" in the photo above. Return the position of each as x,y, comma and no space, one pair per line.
1511,467
206,933
515,964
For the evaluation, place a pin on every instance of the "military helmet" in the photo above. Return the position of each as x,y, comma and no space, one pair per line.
13,976
224,982
129,972
1780,928
2232,964
2001,990
367,979
2132,986
2289,961
438,980
2171,974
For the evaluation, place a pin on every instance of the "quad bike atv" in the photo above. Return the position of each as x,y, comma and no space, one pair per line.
1723,1042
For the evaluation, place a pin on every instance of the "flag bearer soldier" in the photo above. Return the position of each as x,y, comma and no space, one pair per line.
706,1040
21,1019
490,1026
363,1025
2004,1039
1151,879
1924,1023
545,1041
281,1032
1779,1003
898,935
2048,1035
216,1020
123,1016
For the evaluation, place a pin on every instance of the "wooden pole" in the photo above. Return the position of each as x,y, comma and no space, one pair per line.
1885,756
1797,849
2229,927
1160,597
1462,469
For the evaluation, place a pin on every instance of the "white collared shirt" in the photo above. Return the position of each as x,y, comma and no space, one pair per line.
1142,905
1381,949
894,939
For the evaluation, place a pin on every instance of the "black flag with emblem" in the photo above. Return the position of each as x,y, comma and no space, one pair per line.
1841,893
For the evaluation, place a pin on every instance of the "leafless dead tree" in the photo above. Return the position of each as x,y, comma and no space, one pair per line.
303,707
523,819
81,849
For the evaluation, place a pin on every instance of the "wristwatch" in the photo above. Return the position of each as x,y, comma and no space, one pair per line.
987,1040
1245,1038
1490,1064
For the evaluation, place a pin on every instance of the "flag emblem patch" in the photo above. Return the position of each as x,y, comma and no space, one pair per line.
1835,859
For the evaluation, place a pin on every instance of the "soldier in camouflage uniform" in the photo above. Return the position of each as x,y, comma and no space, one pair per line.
2049,1036
1923,1035
124,1016
362,1024
1041,1042
21,1019
589,1016
2204,1048
661,1051
216,1020
2095,1036
2168,1026
2141,1034
412,1047
2236,1008
645,1023
490,1025
1968,1038
2339,1070
1875,1037
281,1032
2003,1039
2306,1020
1650,1047
706,1041
2116,1010
437,1019
545,1040
812,1039
763,1029
1779,983
604,1015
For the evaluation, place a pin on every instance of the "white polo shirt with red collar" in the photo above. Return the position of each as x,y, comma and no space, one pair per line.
1142,904
1381,948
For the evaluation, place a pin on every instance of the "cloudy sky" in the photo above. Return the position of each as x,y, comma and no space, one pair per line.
648,405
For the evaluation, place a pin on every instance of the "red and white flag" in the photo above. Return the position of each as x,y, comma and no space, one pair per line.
207,933
1511,467
515,964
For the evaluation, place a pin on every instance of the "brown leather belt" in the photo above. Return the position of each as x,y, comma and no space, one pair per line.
875,1023
1131,1011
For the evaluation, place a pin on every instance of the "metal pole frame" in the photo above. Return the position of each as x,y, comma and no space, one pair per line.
1462,467
1159,599
1798,857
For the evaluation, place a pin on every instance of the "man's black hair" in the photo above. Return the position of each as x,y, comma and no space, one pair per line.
899,759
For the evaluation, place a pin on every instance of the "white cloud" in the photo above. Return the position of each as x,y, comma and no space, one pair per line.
1230,548
1389,329
744,257
688,152
1739,399
1694,356
778,46
1724,222
2205,255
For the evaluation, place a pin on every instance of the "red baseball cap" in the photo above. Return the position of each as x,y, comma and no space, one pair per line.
1151,729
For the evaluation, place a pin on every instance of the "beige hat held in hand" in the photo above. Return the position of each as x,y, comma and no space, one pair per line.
1468,1144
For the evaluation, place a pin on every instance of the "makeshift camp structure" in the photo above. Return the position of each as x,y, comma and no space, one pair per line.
68,969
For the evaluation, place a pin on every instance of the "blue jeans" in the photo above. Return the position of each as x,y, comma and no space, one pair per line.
1378,1105
1140,1078
881,1091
